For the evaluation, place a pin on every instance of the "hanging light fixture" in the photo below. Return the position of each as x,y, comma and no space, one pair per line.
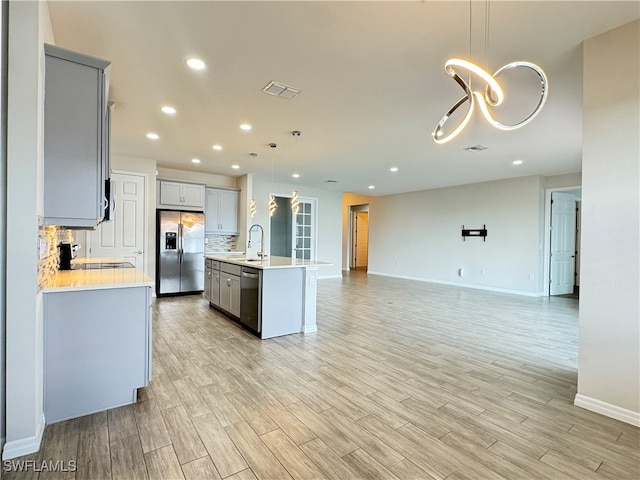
295,204
492,96
273,205
253,208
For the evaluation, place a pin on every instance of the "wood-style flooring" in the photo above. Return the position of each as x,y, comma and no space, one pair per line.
403,380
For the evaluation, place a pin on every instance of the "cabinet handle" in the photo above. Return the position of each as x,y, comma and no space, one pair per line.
218,278
228,282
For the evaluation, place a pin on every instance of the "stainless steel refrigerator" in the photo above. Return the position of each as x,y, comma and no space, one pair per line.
179,252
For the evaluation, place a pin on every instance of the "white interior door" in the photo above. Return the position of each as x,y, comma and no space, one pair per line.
563,243
124,236
304,226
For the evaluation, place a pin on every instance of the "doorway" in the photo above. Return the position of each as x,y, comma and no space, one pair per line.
562,242
291,235
359,233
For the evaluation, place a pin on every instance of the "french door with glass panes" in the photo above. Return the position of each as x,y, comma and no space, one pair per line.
304,230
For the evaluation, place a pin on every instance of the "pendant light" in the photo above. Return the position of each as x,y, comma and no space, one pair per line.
295,204
273,206
492,96
253,208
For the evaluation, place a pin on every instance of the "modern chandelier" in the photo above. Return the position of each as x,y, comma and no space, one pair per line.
493,94
295,204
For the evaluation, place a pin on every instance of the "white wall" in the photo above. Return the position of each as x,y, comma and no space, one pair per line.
609,349
418,235
29,27
245,184
329,220
3,218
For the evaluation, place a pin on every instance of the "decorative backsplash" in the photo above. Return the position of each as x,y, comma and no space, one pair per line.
220,243
48,262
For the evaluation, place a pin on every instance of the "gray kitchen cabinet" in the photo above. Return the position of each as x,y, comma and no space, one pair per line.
180,195
207,279
230,288
214,295
221,211
76,137
97,349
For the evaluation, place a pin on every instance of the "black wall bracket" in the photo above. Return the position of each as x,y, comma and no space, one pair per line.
478,232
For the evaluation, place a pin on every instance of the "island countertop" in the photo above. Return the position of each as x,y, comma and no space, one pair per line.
268,263
73,280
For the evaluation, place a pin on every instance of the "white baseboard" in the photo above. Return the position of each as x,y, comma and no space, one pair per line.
460,284
24,446
607,409
321,277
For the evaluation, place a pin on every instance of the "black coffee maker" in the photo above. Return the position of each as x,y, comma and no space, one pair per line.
68,252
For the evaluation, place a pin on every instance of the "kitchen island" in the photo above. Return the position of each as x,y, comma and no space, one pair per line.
272,296
97,340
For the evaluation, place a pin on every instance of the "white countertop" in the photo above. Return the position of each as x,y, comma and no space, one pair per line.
74,280
269,262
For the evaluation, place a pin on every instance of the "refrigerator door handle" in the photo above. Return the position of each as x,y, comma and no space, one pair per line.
180,243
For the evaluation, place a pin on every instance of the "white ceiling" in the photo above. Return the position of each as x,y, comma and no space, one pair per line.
372,79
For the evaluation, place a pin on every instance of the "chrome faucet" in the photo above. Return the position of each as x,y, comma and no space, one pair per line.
261,252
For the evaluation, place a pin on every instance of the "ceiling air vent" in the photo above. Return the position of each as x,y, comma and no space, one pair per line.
475,148
280,90
331,181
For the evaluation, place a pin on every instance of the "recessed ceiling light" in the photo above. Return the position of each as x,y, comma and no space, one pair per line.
371,187
296,175
245,126
168,110
196,64
195,160
217,147
153,136
517,162
235,167
393,169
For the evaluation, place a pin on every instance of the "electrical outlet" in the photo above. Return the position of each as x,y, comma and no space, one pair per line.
482,272
43,248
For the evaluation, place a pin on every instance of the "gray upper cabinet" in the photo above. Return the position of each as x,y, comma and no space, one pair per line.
76,138
177,195
221,211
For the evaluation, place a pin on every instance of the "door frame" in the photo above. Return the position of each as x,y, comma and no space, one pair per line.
353,209
546,288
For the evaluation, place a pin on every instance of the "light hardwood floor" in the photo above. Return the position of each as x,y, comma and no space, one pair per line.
403,380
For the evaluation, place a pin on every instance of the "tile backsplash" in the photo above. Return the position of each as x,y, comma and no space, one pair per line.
51,236
220,243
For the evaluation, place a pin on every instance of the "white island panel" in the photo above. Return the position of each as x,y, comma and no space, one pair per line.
282,302
97,348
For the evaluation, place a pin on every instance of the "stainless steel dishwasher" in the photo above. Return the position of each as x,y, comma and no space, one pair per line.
250,298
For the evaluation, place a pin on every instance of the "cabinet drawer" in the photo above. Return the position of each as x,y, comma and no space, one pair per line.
231,269
215,264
